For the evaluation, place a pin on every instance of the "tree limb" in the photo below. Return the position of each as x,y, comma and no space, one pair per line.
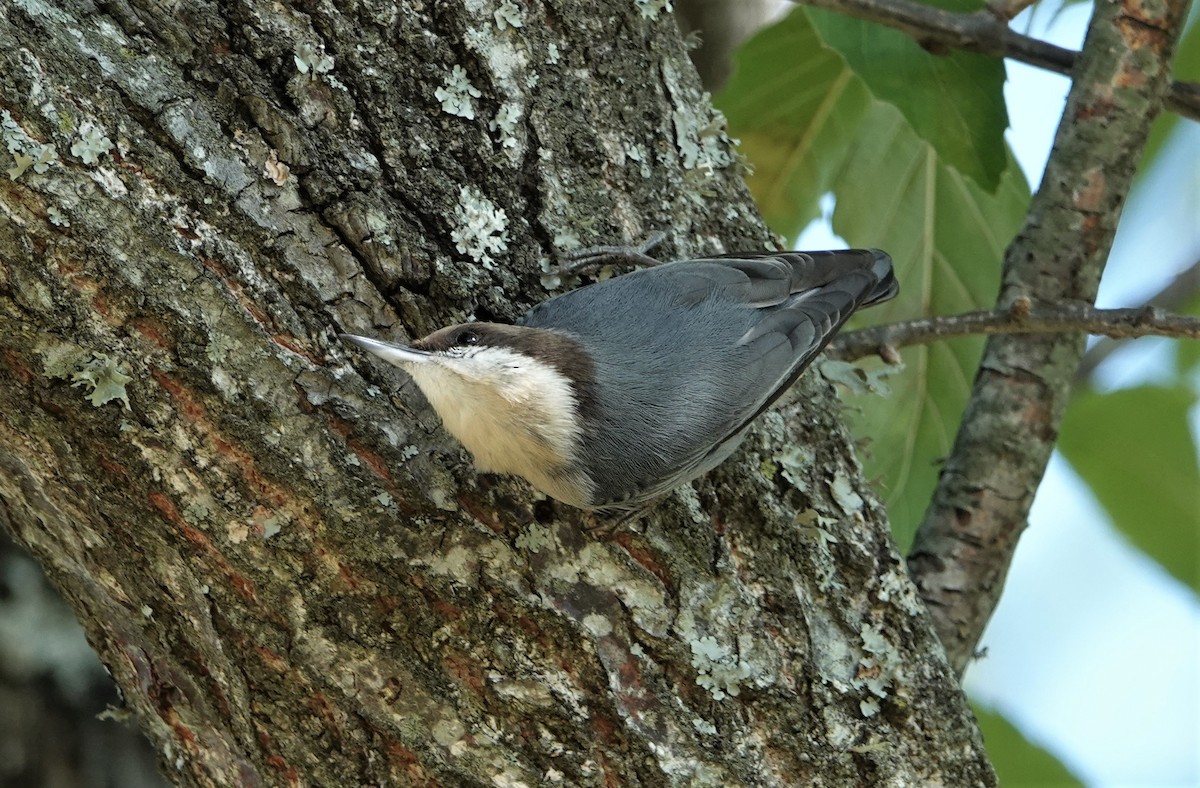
964,545
1114,323
987,33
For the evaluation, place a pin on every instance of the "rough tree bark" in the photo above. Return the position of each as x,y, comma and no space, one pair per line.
289,568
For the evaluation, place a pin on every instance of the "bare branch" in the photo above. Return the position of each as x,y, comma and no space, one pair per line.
1084,318
987,33
964,545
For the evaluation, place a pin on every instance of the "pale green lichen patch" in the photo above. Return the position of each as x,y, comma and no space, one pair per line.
844,493
717,625
505,123
550,278
38,8
719,669
273,524
635,153
529,693
535,538
443,499
598,625
91,144
28,153
103,380
704,145
858,380
597,566
895,587
62,360
508,14
447,732
794,463
482,227
503,56
814,527
456,94
312,58
877,669
458,563
197,510
39,161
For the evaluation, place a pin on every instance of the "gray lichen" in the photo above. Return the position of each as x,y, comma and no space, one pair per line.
310,57
27,152
103,380
92,144
482,227
456,94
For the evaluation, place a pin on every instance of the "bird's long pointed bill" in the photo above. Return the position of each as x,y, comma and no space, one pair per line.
393,354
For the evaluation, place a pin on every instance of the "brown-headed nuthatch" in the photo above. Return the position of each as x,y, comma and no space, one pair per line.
613,394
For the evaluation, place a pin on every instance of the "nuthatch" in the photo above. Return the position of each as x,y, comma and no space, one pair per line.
614,394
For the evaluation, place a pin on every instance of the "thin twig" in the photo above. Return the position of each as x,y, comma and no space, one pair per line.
1115,323
1180,291
983,32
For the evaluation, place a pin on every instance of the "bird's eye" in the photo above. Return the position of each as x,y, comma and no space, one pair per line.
467,338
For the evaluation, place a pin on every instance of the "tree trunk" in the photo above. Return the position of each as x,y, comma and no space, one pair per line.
288,566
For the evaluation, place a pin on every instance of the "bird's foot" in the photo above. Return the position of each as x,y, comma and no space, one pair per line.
606,524
593,257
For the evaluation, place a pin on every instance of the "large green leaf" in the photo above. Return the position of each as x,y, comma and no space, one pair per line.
947,236
810,128
955,101
797,109
1019,763
1135,451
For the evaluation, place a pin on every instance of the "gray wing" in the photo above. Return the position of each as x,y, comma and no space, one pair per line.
771,277
800,300
826,288
750,322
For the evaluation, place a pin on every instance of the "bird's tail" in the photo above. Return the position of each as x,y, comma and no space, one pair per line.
867,273
887,287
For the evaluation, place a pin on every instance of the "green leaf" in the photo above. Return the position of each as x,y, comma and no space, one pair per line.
1136,453
1187,351
947,237
1187,356
1186,65
955,101
796,108
810,127
1019,763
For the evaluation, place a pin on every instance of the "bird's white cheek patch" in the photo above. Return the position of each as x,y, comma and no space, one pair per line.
515,415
